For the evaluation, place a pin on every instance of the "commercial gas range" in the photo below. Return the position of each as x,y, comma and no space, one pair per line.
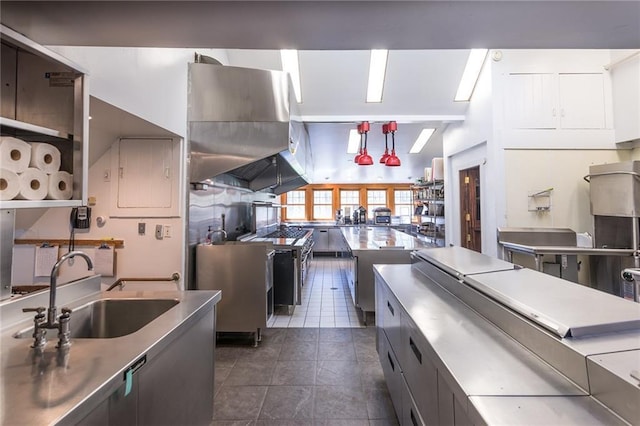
294,252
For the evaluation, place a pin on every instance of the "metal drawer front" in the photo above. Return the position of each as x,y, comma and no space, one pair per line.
392,373
420,372
410,415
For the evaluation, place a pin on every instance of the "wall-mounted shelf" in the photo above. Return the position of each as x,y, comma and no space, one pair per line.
65,242
539,200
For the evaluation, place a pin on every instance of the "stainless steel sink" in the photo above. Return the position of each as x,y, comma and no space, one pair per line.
109,318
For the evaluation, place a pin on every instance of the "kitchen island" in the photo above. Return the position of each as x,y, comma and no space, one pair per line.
369,245
160,373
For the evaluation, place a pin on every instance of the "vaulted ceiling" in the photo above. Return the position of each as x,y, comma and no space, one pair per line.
429,42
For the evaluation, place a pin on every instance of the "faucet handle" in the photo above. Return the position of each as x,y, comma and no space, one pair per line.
39,309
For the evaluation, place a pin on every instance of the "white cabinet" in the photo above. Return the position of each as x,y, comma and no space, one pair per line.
146,179
556,101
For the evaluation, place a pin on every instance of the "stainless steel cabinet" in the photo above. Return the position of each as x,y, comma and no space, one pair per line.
329,240
45,99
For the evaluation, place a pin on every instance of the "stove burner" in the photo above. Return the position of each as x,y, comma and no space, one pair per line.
287,233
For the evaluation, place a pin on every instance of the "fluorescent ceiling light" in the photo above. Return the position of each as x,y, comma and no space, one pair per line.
354,142
289,58
377,70
423,137
470,74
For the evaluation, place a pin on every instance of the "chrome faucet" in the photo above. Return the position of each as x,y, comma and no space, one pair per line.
63,324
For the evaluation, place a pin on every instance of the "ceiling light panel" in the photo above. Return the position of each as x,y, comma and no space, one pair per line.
377,71
421,141
354,142
289,58
470,74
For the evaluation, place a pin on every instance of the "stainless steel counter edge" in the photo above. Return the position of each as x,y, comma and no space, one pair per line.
50,389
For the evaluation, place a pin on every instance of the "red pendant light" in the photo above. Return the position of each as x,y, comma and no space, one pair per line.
365,159
359,154
393,160
385,130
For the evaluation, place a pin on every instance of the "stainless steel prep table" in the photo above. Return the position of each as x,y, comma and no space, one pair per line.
372,245
485,351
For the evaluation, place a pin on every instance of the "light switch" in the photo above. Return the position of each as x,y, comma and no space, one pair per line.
141,228
159,232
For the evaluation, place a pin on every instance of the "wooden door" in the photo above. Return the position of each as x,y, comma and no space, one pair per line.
470,228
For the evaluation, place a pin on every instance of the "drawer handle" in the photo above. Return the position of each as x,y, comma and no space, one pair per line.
393,367
415,350
413,418
391,308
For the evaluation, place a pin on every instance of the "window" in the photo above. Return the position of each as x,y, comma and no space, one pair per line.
349,202
403,205
295,205
375,198
322,204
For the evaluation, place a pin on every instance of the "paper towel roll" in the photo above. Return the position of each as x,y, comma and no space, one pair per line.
34,184
15,154
437,168
9,184
45,157
60,186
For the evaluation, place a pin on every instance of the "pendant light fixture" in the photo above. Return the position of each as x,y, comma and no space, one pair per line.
359,154
365,159
392,160
385,131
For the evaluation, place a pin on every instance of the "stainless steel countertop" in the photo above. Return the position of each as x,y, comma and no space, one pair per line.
380,238
43,389
459,261
481,358
573,310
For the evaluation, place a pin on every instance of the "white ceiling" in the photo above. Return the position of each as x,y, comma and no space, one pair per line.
429,42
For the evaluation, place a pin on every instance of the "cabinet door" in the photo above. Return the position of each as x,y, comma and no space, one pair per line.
321,239
531,101
145,173
581,101
420,373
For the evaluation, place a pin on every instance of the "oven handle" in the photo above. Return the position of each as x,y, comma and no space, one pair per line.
309,249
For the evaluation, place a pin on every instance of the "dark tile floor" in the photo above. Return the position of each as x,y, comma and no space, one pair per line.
302,376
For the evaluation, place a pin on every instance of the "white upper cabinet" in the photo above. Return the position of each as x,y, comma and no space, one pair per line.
147,177
44,99
555,101
581,101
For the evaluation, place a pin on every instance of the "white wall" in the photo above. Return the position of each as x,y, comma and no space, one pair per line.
562,170
148,82
142,255
625,79
467,145
513,162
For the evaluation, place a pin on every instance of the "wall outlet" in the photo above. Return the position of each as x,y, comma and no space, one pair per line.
159,232
167,231
141,228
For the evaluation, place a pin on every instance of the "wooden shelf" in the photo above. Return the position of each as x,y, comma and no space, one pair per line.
65,242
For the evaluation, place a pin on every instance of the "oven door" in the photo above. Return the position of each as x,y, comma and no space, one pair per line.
285,278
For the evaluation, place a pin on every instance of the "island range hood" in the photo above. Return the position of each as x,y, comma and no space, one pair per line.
240,124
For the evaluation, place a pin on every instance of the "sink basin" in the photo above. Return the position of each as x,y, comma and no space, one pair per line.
109,318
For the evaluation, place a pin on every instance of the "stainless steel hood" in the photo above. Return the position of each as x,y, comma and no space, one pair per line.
240,123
